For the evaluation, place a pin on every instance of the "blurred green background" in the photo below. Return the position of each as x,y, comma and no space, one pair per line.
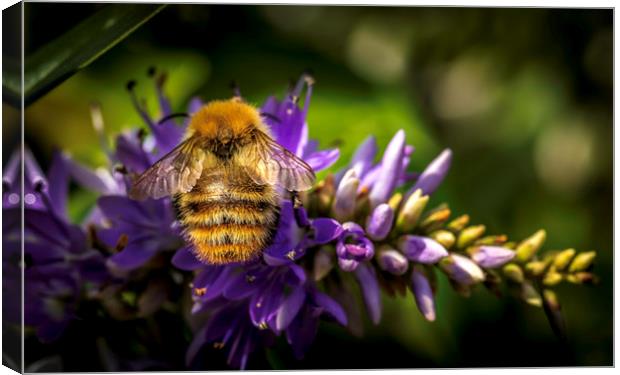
523,97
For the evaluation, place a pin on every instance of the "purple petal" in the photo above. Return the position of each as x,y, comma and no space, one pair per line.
362,159
199,340
131,257
11,172
184,259
421,249
379,223
434,173
348,265
326,230
423,294
59,184
32,172
330,306
492,256
131,154
301,332
322,159
390,170
242,285
365,275
289,308
194,105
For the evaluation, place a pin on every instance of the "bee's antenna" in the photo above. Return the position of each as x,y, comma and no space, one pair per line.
271,116
235,89
171,116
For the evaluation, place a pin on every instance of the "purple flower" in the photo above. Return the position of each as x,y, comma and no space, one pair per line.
145,228
353,247
290,129
492,256
58,259
421,249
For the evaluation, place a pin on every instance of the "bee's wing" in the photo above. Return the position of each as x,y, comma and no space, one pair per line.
267,162
176,172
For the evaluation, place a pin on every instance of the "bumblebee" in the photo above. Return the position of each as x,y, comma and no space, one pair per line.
227,177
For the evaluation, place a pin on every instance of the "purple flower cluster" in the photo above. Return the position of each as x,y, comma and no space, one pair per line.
366,222
59,263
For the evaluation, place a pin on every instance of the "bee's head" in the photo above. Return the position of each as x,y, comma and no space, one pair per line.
226,120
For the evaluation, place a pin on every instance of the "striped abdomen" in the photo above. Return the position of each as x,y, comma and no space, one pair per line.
228,217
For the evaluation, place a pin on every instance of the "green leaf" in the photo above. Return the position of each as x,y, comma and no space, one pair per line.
61,58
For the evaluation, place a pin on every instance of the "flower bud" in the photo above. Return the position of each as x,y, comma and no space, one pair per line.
344,203
390,170
536,268
528,247
423,293
582,278
492,256
461,269
444,237
435,219
434,173
563,258
492,240
459,223
553,310
392,261
421,249
513,272
379,223
395,201
411,211
469,235
530,295
552,278
582,261
323,263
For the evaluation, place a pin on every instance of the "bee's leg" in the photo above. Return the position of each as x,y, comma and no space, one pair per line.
301,216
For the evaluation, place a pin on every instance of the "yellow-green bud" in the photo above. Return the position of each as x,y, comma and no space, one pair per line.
552,278
469,235
563,258
492,240
444,237
435,219
582,261
459,223
528,247
582,278
551,299
395,201
513,272
411,211
530,295
536,268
